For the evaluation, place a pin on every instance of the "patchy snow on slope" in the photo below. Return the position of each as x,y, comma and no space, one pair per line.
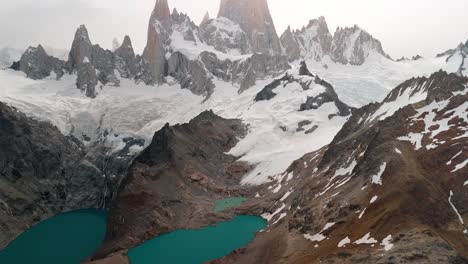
315,238
460,218
367,239
397,151
414,138
377,179
374,199
387,243
344,242
460,166
269,216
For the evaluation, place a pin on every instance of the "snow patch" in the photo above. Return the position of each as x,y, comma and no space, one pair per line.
344,242
377,179
387,243
374,199
367,239
460,218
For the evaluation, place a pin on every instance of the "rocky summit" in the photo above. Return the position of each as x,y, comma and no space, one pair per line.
255,19
339,153
347,45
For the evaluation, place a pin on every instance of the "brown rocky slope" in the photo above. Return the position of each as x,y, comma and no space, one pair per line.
372,196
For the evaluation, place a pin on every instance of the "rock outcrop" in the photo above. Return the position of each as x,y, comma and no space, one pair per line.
254,17
191,74
245,72
44,173
37,64
325,91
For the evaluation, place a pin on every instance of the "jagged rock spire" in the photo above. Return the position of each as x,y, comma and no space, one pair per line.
255,19
161,10
154,53
81,49
206,18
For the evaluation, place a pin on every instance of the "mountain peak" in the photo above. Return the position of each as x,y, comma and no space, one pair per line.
206,18
127,42
161,10
82,34
255,19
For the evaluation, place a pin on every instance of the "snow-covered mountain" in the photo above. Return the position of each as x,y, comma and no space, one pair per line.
311,126
347,46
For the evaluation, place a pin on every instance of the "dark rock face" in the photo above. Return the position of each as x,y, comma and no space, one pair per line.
126,62
81,50
190,74
91,63
87,79
245,72
255,19
328,96
172,183
38,65
44,173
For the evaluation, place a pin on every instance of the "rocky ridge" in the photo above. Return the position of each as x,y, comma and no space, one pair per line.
347,45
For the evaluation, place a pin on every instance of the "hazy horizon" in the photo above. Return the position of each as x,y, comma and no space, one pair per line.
404,28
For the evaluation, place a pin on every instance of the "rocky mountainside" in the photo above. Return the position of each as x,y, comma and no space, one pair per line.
390,188
172,184
45,173
347,46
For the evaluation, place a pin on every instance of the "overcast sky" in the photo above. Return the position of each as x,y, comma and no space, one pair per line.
405,27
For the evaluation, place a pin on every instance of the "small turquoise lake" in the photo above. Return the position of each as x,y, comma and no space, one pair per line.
64,239
223,204
198,246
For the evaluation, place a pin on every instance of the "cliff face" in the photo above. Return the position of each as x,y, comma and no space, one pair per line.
44,173
255,19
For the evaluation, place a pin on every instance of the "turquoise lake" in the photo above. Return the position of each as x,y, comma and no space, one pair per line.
64,239
72,237
198,246
223,204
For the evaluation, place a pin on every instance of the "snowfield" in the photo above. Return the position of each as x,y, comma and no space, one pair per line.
273,141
